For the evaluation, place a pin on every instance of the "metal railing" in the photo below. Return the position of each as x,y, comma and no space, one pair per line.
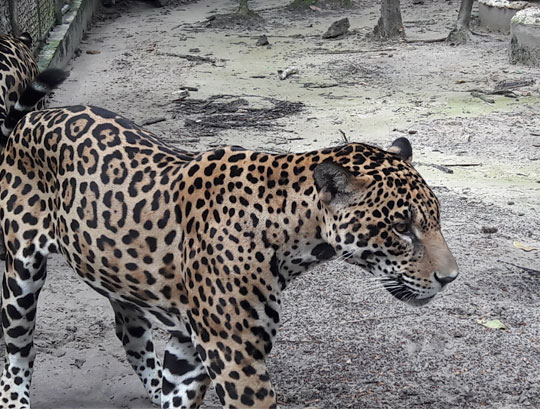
36,17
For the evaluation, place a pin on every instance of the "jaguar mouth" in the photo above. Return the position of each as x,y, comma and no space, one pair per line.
403,293
418,302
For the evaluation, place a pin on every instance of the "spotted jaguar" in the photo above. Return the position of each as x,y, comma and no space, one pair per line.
203,243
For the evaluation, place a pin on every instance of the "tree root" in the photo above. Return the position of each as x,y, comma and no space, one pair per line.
459,36
462,36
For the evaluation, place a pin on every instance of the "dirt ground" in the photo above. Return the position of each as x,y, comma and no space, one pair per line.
344,342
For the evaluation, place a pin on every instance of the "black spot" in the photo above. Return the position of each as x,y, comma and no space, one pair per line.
323,251
231,390
237,157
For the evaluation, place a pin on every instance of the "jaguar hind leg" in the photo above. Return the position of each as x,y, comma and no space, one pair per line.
135,333
185,380
22,282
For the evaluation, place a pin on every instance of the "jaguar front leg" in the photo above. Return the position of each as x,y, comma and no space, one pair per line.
239,374
233,348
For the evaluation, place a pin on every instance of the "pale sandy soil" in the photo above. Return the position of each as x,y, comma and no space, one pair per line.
343,344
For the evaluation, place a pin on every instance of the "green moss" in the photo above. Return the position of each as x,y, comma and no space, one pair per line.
47,53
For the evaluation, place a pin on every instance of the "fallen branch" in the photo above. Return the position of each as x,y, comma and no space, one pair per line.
439,167
526,269
277,36
152,121
427,40
220,112
507,85
483,97
298,341
189,57
476,33
315,85
344,136
387,317
327,51
450,165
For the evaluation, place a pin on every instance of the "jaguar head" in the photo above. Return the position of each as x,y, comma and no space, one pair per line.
381,215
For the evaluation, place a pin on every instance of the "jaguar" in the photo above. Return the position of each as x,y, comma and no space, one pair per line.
17,70
201,243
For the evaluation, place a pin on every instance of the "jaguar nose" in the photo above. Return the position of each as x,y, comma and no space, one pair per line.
445,280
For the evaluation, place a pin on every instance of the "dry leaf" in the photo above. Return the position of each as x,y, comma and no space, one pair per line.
93,52
495,324
315,8
523,246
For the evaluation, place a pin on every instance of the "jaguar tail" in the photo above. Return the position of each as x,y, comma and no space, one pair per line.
44,83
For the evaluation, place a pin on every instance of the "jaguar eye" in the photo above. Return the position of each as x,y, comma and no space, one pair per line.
401,228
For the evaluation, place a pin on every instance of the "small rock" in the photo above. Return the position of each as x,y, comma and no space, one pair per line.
78,363
489,229
337,28
181,95
93,52
283,74
262,40
511,202
412,131
194,50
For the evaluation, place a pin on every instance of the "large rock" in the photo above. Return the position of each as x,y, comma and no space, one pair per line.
497,14
525,37
338,28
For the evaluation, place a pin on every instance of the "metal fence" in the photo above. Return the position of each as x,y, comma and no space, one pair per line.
36,17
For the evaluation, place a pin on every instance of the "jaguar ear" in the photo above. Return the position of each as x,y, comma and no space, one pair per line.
26,38
334,181
402,148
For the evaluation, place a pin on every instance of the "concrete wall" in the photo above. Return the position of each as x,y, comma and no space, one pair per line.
65,38
5,22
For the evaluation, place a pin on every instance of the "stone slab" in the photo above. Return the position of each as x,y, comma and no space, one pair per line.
525,37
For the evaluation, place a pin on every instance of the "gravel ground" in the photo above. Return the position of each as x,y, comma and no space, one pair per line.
344,342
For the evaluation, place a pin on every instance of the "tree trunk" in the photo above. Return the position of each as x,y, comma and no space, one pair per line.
461,33
390,24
